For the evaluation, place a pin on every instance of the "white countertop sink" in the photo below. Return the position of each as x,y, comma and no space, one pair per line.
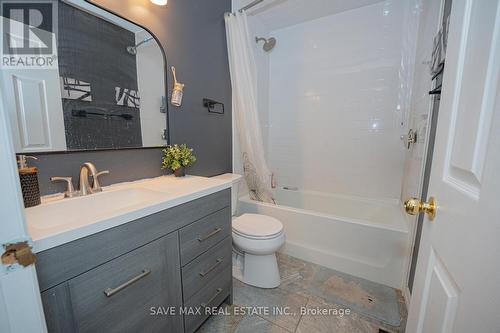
58,220
77,211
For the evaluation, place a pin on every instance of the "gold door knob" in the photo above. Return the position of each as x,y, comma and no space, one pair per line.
414,206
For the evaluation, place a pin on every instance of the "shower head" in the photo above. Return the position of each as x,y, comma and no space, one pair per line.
133,49
269,43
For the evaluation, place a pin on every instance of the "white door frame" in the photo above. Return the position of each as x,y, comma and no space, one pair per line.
20,302
434,25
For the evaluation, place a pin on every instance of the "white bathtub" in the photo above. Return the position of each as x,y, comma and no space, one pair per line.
363,237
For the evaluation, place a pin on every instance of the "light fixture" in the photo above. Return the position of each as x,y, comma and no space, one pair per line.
159,2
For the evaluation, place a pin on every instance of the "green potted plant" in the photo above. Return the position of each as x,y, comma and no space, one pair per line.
178,158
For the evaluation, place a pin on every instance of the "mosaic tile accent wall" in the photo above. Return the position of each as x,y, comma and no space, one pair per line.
93,52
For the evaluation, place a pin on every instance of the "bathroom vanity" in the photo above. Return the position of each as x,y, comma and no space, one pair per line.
151,266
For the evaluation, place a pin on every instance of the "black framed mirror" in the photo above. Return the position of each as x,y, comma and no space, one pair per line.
107,90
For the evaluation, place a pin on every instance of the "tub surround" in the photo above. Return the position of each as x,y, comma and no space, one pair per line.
58,221
336,96
331,89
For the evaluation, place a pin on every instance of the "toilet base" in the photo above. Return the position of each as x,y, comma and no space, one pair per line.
256,270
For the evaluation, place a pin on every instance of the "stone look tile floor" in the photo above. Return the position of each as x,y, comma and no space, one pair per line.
299,290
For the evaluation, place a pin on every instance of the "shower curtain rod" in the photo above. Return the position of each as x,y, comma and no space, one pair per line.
250,5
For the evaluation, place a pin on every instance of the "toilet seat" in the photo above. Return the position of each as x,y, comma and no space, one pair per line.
256,226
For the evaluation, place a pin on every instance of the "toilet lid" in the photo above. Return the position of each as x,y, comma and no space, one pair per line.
256,225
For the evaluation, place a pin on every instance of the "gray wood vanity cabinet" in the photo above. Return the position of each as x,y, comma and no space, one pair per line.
114,280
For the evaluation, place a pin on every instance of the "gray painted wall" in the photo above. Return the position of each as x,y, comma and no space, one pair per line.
124,165
192,33
198,51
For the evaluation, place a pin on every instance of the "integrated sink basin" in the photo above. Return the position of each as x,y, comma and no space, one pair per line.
58,221
89,209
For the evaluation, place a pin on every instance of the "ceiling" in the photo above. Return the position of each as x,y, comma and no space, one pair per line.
105,15
277,14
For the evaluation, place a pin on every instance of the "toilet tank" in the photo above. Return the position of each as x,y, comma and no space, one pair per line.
235,182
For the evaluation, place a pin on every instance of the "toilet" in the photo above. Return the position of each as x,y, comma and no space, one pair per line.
256,238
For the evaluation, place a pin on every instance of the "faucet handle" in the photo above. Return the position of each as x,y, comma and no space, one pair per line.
70,191
104,172
96,187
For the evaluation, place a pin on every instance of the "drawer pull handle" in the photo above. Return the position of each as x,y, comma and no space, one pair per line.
111,291
219,260
204,305
207,236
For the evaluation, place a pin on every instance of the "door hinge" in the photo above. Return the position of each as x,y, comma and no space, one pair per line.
17,255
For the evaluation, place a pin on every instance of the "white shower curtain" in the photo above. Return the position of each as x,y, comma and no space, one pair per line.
244,84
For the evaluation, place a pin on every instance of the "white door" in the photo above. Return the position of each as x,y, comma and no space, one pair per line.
35,108
33,101
20,303
457,283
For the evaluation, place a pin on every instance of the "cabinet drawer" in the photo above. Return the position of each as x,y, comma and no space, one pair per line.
59,264
201,235
117,296
211,295
204,268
